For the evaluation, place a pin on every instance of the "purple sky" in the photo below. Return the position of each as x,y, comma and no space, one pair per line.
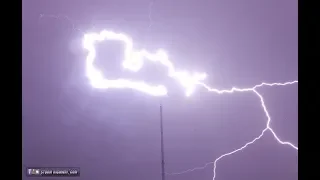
114,134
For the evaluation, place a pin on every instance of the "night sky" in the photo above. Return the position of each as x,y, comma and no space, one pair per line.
115,135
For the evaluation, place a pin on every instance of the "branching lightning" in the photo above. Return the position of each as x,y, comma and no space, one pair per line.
256,138
134,60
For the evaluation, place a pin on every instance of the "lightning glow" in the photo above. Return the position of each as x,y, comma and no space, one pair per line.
134,60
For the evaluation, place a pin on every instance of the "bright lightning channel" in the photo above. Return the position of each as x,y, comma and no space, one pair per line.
268,127
134,60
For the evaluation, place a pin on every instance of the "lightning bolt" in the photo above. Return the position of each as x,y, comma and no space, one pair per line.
267,128
134,61
149,14
150,21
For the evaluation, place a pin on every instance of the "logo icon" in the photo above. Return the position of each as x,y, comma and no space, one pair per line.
33,172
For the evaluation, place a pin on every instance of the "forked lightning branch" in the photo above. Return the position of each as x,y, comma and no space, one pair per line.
134,59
